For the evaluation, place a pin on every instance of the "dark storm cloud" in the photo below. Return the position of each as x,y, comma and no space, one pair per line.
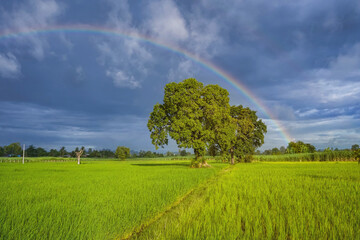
301,59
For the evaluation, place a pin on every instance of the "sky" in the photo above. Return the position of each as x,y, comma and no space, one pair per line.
299,60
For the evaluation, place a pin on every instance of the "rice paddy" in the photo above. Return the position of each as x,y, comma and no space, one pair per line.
164,199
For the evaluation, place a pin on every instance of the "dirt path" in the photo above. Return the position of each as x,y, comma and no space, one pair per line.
187,199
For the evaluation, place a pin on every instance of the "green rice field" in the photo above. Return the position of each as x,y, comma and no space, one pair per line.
164,199
94,200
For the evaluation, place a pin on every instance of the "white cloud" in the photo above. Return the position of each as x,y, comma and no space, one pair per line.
341,132
205,37
9,66
335,85
121,79
79,74
165,21
53,128
185,69
123,53
307,112
119,16
29,15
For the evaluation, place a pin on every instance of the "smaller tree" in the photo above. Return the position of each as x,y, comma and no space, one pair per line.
282,150
2,151
13,149
357,155
54,153
275,151
356,151
354,147
41,152
182,152
78,154
31,151
62,152
122,152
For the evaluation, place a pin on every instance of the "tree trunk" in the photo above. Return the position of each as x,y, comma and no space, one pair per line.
78,159
232,156
199,161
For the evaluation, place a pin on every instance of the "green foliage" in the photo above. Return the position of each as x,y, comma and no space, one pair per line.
354,147
249,133
200,117
54,153
344,155
100,200
13,149
148,154
357,155
183,152
41,152
269,201
191,115
122,152
62,152
300,147
2,151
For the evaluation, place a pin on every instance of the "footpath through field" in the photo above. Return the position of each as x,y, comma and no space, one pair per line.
266,201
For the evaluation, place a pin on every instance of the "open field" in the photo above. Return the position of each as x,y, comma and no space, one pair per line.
71,159
342,155
141,199
269,201
96,200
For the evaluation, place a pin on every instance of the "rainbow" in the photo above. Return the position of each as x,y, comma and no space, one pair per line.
135,35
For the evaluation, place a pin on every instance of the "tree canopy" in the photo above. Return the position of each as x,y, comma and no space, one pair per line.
300,147
200,117
122,152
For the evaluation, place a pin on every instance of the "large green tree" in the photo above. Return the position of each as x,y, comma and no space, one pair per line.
200,117
248,135
181,117
193,115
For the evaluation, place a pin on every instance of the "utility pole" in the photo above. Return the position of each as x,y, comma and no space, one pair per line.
23,154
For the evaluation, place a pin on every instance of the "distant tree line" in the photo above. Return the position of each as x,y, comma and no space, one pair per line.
301,147
292,148
121,152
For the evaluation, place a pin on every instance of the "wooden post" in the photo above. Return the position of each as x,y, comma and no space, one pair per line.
23,160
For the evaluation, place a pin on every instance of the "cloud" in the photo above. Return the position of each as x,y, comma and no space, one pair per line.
165,22
339,131
79,74
117,54
121,79
9,66
53,128
334,85
31,15
185,69
119,16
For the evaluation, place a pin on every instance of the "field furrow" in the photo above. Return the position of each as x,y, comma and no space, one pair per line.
269,201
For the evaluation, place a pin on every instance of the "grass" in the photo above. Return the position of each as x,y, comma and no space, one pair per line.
71,159
343,155
269,201
162,199
96,200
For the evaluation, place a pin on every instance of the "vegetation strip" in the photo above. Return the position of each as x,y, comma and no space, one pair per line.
269,201
94,200
137,231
